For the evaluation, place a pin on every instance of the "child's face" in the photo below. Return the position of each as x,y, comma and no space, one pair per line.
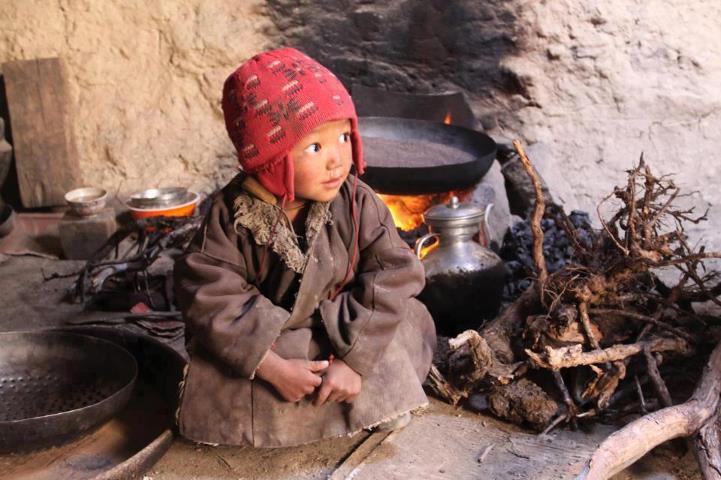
322,161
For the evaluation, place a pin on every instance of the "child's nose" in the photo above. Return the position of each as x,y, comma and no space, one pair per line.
334,158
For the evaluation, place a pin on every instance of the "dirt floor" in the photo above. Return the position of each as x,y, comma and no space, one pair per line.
441,442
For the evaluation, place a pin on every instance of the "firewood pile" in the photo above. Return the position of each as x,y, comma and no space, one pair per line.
604,338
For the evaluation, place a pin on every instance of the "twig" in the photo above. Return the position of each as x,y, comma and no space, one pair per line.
538,210
658,383
631,244
554,423
607,228
639,390
573,356
570,405
690,271
485,452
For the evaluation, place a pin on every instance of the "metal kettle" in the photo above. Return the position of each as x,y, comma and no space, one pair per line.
464,279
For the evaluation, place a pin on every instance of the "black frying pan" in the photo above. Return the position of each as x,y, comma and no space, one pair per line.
55,386
412,157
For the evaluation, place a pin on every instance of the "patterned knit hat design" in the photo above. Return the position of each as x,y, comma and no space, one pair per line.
271,102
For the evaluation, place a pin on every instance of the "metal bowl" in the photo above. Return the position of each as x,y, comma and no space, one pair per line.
56,386
182,208
86,201
158,197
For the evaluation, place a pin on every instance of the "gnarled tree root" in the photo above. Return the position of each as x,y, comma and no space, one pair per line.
707,446
624,447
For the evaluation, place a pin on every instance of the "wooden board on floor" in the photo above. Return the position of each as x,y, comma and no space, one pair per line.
46,155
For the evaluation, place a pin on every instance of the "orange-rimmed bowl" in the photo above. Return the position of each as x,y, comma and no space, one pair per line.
184,209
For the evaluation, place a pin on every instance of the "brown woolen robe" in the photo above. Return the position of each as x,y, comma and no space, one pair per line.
235,314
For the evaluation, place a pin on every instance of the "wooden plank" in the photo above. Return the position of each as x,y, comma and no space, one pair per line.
352,464
46,155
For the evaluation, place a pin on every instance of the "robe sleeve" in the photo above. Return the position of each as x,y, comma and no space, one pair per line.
226,314
362,320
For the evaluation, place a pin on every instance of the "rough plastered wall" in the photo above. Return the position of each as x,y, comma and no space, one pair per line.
146,80
590,84
608,80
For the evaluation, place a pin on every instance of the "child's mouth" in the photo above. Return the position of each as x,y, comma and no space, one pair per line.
334,182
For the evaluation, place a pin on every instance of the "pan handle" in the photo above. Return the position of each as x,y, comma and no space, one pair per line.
421,241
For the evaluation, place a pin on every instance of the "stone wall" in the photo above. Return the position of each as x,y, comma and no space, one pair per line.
591,84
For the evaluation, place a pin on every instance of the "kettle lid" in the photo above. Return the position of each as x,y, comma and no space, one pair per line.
454,211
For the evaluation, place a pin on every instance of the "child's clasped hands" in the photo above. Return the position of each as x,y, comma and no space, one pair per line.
334,381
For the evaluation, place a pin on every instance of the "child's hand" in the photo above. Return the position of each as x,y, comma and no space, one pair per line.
294,378
340,384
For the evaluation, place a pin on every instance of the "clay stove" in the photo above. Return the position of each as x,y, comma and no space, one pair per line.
414,162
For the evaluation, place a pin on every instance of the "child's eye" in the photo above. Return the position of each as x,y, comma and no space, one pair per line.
313,148
344,137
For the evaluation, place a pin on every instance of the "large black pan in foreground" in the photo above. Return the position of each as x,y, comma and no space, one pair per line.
130,442
56,386
413,157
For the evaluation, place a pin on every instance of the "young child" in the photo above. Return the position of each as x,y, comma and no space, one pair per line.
298,293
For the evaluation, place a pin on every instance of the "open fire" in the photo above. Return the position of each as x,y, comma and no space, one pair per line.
407,210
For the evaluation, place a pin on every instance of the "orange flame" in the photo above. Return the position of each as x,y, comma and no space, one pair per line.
448,118
407,210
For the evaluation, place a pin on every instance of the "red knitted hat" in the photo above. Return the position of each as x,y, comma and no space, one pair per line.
272,101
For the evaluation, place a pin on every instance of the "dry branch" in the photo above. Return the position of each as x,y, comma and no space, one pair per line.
499,332
441,387
707,445
622,448
574,356
656,379
538,209
594,316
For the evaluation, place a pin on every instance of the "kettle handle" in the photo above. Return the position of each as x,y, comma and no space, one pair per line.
485,228
421,241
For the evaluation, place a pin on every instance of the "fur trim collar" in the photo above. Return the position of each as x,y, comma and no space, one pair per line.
259,218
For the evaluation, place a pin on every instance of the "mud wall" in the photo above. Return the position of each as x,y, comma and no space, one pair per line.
590,84
145,79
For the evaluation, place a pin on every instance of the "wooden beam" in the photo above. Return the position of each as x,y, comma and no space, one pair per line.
46,155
